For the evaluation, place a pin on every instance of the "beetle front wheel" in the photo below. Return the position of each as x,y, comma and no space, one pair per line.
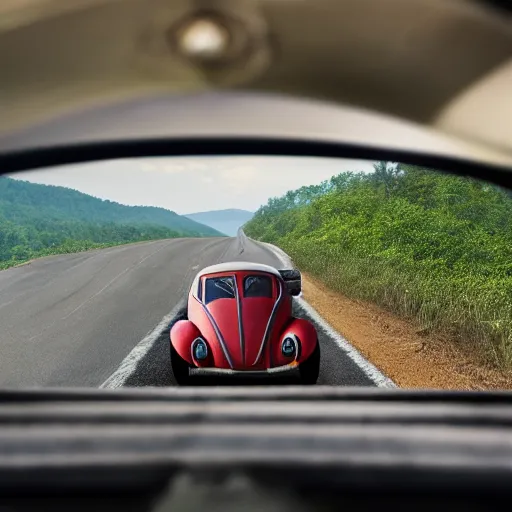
310,368
179,369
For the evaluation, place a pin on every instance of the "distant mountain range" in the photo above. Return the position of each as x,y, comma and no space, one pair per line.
35,219
22,198
226,221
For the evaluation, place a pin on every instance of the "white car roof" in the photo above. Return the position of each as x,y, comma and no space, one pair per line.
232,266
238,265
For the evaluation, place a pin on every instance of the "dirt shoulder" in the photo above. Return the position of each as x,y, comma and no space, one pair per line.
410,358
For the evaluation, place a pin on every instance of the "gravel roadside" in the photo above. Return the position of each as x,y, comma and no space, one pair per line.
411,358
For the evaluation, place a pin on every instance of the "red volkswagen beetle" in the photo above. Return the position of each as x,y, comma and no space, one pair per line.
239,322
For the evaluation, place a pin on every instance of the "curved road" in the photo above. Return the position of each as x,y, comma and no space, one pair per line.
71,320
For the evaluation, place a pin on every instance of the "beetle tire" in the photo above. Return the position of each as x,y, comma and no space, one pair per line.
179,369
310,369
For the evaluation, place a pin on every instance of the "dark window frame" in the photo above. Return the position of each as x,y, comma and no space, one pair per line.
200,289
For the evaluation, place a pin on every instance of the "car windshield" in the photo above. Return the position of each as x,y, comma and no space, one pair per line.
258,286
403,273
219,288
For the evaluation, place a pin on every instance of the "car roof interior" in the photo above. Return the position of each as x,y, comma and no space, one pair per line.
431,74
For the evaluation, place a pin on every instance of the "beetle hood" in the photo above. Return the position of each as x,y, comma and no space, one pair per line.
242,308
242,325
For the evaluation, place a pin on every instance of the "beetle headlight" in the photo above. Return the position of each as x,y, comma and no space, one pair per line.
199,349
289,346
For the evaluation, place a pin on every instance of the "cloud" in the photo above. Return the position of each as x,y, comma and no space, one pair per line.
188,184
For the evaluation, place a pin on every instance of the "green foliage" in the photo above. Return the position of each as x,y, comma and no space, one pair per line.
39,220
21,199
426,245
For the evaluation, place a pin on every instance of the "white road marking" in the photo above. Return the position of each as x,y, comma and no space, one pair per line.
368,368
371,371
129,364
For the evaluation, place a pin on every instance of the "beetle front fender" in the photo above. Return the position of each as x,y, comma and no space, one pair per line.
306,332
182,334
308,337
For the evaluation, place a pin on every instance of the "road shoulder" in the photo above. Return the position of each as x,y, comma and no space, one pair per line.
411,358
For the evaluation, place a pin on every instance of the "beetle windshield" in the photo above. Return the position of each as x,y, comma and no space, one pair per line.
258,286
219,288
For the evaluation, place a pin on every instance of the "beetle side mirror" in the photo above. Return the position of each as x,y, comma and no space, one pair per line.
292,280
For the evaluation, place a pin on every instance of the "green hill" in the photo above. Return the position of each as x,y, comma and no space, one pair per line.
426,245
36,220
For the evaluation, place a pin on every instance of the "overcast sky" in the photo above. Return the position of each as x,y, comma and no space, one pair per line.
193,184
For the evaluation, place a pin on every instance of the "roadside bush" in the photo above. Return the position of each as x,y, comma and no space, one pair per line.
425,245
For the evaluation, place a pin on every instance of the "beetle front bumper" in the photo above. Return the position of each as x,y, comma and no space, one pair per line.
291,369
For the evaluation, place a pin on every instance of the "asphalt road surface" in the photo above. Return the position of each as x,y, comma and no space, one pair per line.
71,320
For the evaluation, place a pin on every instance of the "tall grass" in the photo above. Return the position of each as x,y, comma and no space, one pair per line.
429,247
474,310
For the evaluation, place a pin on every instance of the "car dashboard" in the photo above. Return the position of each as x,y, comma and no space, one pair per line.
306,448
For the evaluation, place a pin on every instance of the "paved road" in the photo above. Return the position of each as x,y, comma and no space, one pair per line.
70,320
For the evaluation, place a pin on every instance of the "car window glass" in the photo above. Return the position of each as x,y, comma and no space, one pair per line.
219,288
258,286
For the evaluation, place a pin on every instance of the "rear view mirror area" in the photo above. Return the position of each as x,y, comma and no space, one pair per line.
292,280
